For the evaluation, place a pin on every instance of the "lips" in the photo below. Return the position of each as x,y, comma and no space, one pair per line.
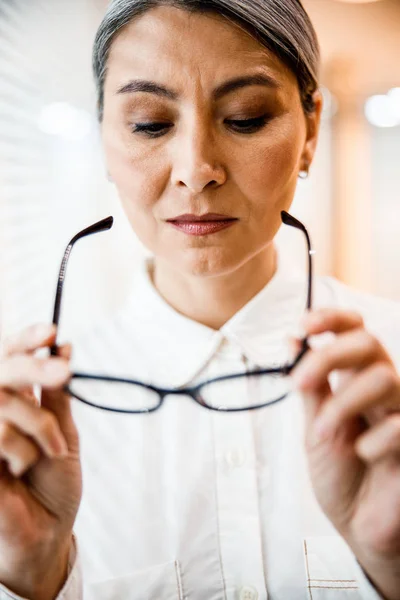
207,218
202,224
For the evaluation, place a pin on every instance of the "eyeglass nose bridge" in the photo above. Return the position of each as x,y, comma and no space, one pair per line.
192,393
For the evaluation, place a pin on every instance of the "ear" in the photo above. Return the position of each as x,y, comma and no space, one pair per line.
313,121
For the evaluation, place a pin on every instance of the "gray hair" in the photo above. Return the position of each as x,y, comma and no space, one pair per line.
282,26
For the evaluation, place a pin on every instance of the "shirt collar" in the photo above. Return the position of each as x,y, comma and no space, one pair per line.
180,348
262,326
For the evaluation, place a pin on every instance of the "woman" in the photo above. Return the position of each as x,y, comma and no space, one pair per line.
209,112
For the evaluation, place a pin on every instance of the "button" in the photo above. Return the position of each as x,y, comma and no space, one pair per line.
235,458
248,593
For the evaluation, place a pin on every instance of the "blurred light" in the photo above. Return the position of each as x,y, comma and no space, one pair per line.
330,107
383,110
394,95
66,121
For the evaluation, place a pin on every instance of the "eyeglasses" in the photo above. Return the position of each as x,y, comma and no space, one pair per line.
225,393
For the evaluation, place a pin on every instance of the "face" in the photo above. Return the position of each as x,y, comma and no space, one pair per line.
202,122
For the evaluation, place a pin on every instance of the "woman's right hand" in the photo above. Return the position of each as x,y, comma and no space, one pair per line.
40,472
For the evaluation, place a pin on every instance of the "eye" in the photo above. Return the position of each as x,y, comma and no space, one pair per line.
157,129
248,125
152,130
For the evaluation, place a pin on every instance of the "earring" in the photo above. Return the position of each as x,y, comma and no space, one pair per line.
304,173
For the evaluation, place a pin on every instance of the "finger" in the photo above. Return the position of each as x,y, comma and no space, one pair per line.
28,340
312,400
380,441
378,385
20,370
34,421
294,346
328,319
65,351
18,450
352,350
26,392
57,400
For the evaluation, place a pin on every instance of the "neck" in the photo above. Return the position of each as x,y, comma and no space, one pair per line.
212,301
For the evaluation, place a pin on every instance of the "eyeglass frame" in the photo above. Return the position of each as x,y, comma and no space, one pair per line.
194,391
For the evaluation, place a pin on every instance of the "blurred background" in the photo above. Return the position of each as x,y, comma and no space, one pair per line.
53,179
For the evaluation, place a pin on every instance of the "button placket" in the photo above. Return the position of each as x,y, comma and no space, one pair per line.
248,593
235,458
237,495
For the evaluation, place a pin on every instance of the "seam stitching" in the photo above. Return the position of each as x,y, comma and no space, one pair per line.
326,587
308,572
334,580
329,587
179,580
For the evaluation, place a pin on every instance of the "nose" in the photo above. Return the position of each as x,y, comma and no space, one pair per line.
196,164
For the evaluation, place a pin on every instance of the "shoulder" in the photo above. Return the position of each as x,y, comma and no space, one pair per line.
381,316
345,295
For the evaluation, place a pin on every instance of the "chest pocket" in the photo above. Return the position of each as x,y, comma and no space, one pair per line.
159,582
330,569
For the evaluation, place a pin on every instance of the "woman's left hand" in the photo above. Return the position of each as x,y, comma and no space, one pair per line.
353,441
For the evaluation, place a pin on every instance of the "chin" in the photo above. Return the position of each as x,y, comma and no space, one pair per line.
208,262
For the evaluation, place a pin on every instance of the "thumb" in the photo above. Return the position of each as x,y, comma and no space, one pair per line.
312,400
294,346
58,401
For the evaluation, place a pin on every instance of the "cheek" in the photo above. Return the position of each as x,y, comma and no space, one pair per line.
140,182
139,176
278,155
271,169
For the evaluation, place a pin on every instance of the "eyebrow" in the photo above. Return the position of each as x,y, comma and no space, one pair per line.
150,87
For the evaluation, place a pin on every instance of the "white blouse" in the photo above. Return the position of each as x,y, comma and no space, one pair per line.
187,503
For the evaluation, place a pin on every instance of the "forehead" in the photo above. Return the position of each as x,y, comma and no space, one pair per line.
168,42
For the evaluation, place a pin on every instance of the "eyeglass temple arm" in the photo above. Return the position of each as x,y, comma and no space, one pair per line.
288,219
107,223
102,225
293,222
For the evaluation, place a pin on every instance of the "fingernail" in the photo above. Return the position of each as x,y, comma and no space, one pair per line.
16,469
59,446
366,450
66,350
